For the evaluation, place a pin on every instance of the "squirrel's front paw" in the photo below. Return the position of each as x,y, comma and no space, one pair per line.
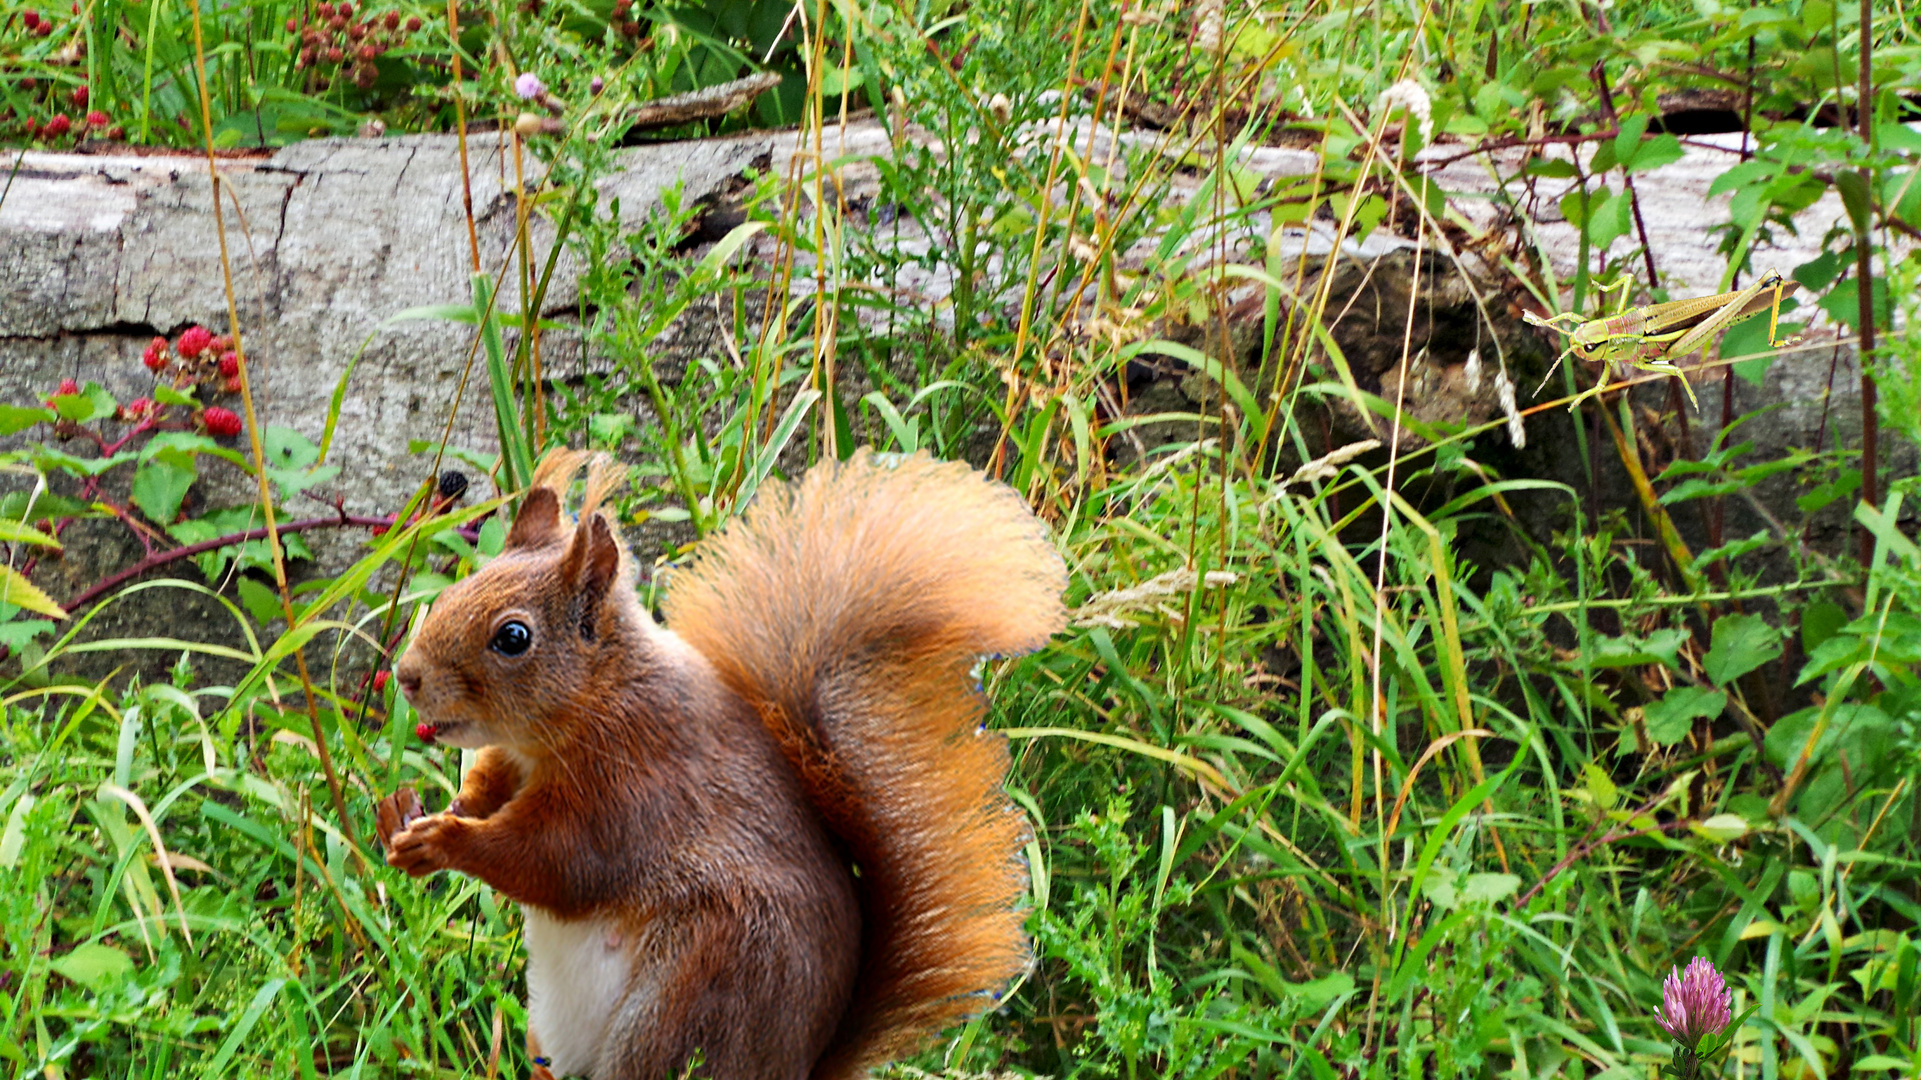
396,812
426,845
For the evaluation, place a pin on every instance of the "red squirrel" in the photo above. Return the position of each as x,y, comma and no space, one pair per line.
771,836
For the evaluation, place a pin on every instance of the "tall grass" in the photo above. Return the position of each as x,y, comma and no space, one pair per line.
1313,793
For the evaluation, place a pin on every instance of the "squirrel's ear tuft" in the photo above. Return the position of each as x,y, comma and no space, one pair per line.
591,566
538,523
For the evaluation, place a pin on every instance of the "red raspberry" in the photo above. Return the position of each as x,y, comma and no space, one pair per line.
334,55
194,342
392,19
231,385
325,9
381,678
367,52
229,365
292,26
31,20
98,119
344,9
58,126
136,410
413,23
221,343
221,422
80,96
33,126
156,355
45,29
68,386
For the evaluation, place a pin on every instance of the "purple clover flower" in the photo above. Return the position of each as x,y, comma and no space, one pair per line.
529,86
1694,1003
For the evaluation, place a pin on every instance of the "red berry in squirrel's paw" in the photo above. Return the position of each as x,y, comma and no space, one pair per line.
194,341
425,731
221,422
229,365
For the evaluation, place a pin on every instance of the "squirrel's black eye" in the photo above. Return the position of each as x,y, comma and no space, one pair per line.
512,639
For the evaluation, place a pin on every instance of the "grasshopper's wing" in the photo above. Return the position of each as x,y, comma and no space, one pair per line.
1745,305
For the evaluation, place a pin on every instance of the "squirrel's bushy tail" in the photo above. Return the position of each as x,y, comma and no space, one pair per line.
849,610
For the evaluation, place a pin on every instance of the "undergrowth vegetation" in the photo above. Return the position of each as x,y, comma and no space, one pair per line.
1315,792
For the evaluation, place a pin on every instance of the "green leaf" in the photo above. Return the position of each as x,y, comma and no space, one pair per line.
1488,888
288,449
159,486
20,631
13,532
1819,622
1741,643
167,395
1853,188
94,966
1660,647
262,602
16,418
15,589
1670,719
1721,828
1661,150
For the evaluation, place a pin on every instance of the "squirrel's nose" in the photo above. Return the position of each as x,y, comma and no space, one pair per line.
409,676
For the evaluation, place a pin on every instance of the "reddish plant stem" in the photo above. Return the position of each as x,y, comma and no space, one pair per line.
1864,256
162,558
1582,849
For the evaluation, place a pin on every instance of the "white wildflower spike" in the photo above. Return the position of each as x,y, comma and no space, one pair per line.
1411,96
1504,390
1110,608
1472,372
1328,465
1210,26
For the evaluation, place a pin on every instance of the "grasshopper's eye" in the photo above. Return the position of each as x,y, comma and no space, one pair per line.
512,639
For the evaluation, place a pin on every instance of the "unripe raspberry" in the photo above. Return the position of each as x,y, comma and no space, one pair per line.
231,384
334,55
392,19
229,365
325,9
194,342
220,422
344,9
413,23
292,26
45,29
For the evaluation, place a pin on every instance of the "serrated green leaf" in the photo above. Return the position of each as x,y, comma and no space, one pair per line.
14,532
160,485
1740,644
94,966
17,418
1670,719
15,589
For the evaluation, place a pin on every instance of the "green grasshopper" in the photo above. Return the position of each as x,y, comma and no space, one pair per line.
1653,337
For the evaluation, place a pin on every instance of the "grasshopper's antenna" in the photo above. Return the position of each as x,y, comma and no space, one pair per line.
1551,370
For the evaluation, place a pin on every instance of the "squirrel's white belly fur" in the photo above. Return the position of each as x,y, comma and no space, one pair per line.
577,972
